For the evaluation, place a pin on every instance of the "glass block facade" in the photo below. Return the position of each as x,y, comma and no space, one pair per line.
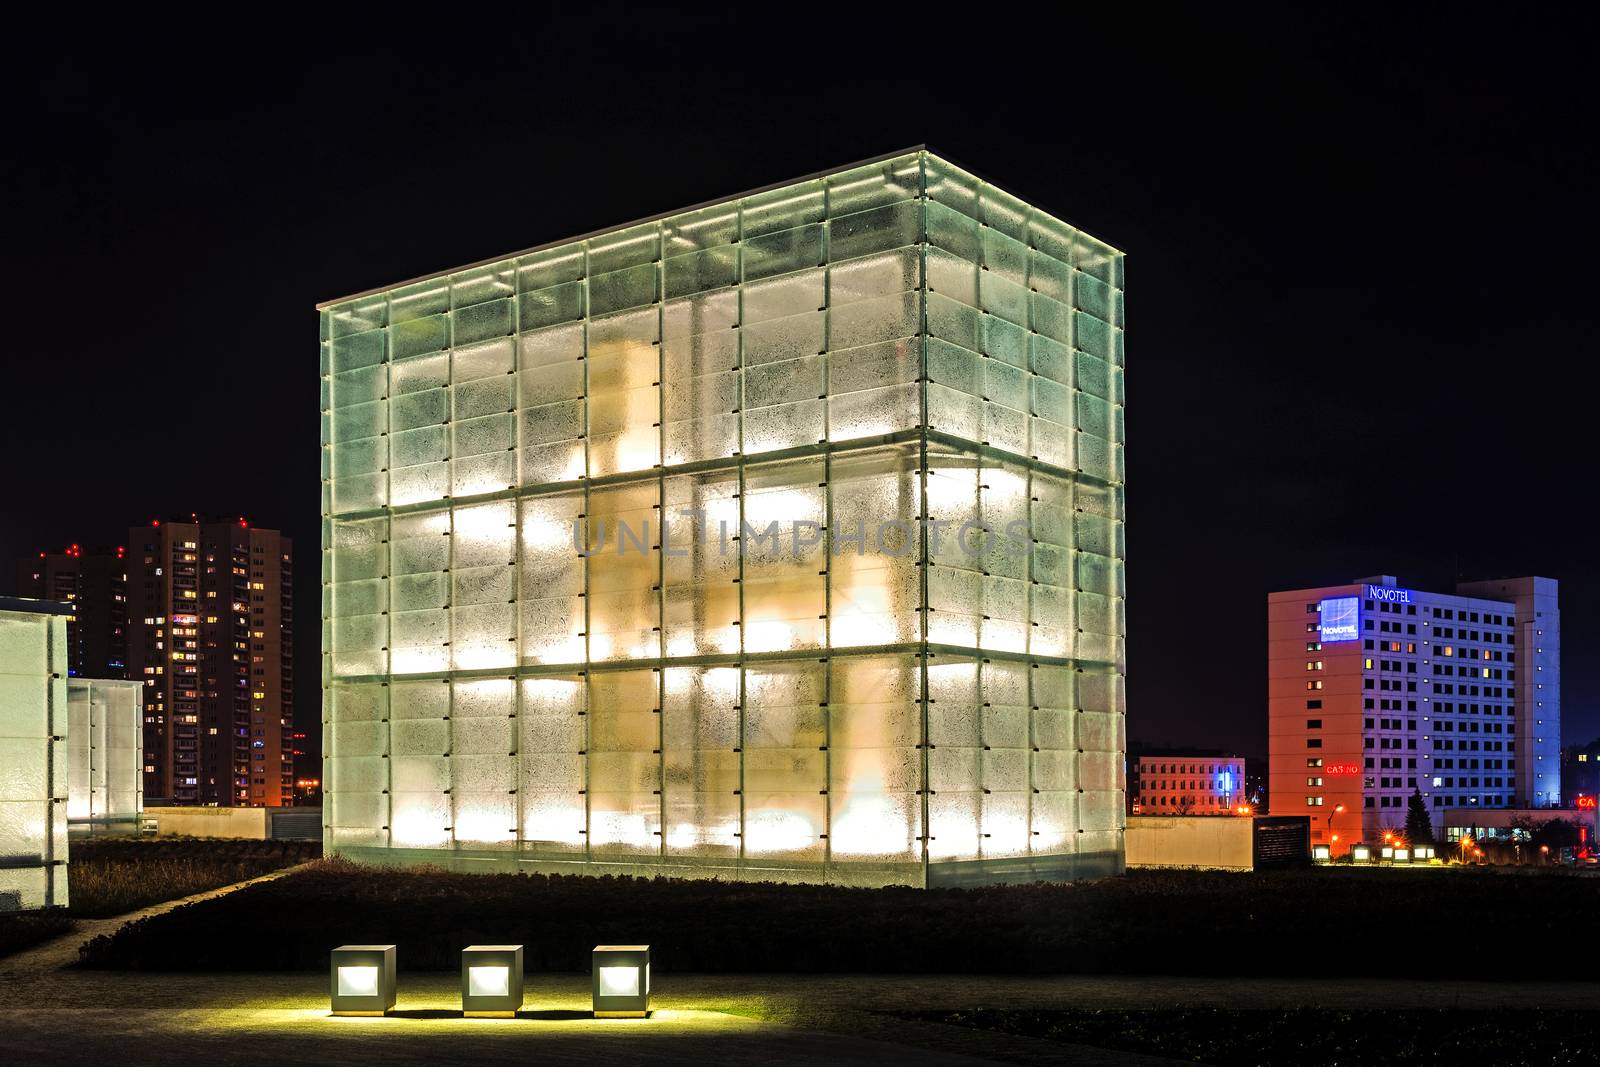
105,750
780,538
33,757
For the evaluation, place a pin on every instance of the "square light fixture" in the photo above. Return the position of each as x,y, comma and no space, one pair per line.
1402,855
1320,852
621,981
1361,854
491,980
363,979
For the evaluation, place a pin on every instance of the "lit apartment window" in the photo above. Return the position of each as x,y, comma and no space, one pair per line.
1313,802
1314,685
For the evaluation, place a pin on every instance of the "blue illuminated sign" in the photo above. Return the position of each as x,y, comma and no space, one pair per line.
1384,592
1341,619
1225,782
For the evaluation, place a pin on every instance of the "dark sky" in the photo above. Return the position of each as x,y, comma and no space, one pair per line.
1361,264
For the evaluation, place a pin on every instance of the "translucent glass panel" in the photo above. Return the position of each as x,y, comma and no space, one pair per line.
105,745
701,764
687,504
772,322
33,762
805,765
1025,315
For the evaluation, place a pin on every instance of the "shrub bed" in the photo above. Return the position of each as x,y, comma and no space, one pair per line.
26,929
1321,922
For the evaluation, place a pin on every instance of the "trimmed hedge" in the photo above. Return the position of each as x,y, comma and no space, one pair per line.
1319,922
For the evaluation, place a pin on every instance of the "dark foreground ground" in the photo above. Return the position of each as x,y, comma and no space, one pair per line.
1318,922
81,1016
1305,1037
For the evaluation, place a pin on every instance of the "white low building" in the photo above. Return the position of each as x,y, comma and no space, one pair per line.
105,774
33,759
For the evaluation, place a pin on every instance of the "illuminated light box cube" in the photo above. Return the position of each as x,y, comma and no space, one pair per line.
621,981
778,539
33,754
105,746
491,980
1361,854
363,979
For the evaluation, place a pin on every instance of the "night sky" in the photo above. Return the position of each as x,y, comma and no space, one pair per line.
1361,266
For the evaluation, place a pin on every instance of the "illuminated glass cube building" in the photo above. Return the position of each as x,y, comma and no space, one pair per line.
779,538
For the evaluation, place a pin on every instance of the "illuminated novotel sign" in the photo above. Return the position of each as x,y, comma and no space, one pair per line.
1384,592
1341,619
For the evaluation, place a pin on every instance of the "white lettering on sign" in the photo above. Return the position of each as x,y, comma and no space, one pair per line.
1393,596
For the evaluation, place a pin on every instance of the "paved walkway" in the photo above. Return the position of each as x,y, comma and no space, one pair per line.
54,1012
75,1016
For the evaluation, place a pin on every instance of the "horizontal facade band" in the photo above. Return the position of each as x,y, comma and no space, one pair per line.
730,659
733,463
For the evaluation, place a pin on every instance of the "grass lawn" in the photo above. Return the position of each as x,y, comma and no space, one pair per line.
113,876
1164,922
1308,1037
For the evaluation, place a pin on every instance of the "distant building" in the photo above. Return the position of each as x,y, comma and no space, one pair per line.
211,624
1187,785
1376,691
1580,772
1222,844
95,584
1513,824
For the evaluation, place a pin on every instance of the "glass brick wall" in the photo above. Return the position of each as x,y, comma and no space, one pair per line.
779,538
105,749
33,761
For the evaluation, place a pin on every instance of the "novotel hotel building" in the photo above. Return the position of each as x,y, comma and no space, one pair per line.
1376,691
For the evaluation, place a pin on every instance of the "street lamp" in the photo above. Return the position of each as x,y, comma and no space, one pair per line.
1338,809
